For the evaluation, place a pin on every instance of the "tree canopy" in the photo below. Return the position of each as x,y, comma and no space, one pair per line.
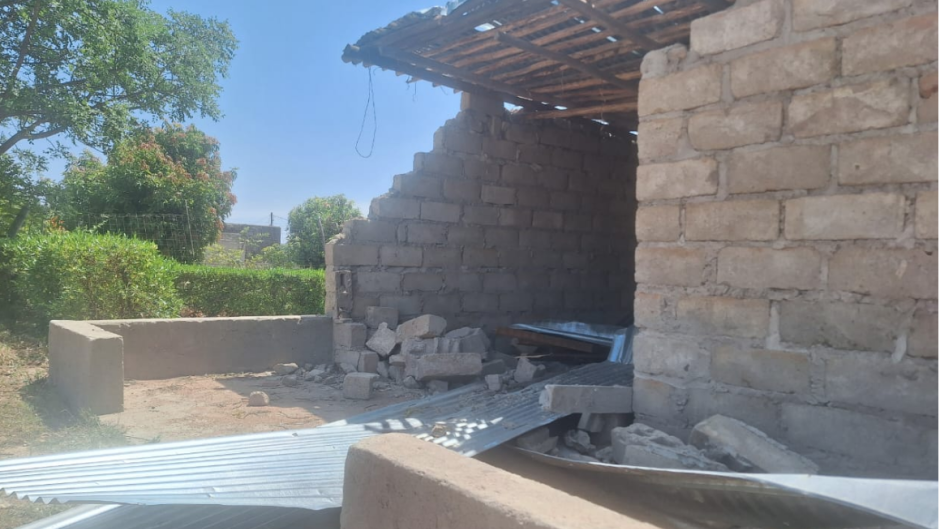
313,223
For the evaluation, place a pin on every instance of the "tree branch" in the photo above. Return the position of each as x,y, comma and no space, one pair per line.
21,52
22,134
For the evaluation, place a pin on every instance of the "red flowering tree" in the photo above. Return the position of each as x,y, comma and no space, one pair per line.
165,185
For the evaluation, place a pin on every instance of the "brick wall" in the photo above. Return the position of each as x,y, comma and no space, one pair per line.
787,224
505,220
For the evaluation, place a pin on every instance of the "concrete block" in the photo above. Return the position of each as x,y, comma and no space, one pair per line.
642,446
548,220
502,149
785,68
759,410
440,212
417,185
671,266
907,42
761,268
868,216
349,335
378,282
493,382
376,316
419,347
743,448
368,362
556,179
474,302
738,220
499,282
351,254
850,108
925,215
498,195
897,159
483,215
779,168
480,257
362,230
884,273
687,178
737,27
878,382
464,141
465,191
660,138
441,257
657,63
347,356
439,163
86,366
400,255
680,91
670,355
422,281
538,440
396,360
501,237
587,399
470,340
850,326
424,233
533,197
396,208
746,318
478,169
927,102
358,385
922,341
525,371
446,366
648,310
515,217
742,124
284,369
762,369
657,223
566,159
812,14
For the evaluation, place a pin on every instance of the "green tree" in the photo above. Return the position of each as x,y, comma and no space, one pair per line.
313,223
169,181
94,71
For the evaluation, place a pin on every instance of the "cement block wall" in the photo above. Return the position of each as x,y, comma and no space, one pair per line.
86,366
787,224
505,220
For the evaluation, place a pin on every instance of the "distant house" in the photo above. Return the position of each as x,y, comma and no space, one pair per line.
250,238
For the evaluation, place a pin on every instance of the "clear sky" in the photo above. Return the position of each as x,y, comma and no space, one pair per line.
293,108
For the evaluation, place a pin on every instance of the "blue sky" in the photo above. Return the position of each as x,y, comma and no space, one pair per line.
293,108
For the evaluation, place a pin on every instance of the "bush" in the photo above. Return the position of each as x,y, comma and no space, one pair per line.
210,291
83,276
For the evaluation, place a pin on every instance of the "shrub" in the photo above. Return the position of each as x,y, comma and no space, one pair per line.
211,291
83,276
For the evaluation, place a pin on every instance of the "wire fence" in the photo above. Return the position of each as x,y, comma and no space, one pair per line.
173,234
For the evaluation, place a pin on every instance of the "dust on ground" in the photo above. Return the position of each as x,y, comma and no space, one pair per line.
214,405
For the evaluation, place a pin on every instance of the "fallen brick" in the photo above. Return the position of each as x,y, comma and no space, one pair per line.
641,446
426,326
358,385
368,362
744,448
349,335
493,382
383,341
537,440
446,366
587,399
525,371
470,340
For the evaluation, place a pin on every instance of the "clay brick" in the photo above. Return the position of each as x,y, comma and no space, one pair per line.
737,27
566,159
671,266
424,281
670,356
884,273
475,257
440,211
480,303
649,310
742,124
481,169
424,233
499,282
466,191
505,150
481,215
441,257
851,108
747,318
907,42
871,216
840,325
786,68
687,178
925,216
462,141
657,223
538,154
927,104
890,160
416,185
680,91
768,370
396,208
779,168
922,340
515,302
532,197
501,237
515,217
498,195
760,268
401,255
438,163
659,138
553,178
739,220
352,255
549,220
518,175
811,14
378,282
465,235
878,382
362,230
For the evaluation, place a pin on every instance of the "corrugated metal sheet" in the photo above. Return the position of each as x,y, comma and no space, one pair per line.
781,501
187,517
302,468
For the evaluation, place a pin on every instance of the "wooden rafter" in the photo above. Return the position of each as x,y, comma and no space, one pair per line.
610,23
598,110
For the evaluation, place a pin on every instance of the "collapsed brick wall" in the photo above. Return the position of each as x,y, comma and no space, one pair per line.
506,220
787,227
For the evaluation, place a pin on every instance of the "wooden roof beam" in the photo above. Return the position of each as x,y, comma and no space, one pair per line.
611,24
564,59
593,111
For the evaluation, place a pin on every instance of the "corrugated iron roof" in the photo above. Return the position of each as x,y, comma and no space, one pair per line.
186,517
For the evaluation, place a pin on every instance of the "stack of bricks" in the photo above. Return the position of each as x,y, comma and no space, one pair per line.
506,220
787,226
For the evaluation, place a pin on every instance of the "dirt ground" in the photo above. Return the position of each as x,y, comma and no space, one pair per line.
214,405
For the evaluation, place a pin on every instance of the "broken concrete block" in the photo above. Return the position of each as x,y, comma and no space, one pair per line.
347,368
611,421
313,373
368,362
396,360
525,371
410,383
470,340
578,441
359,385
382,369
496,367
347,356
445,366
587,399
604,454
567,453
383,341
493,382
426,326
285,369
290,380
417,347
538,440
744,448
258,398
349,335
642,446
375,316
437,386
396,373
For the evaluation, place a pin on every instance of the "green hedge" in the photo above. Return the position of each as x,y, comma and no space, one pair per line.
82,276
211,291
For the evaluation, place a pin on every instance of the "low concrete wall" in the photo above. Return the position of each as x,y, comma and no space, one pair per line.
164,348
86,366
396,480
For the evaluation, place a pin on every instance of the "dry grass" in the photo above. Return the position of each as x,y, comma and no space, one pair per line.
34,421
